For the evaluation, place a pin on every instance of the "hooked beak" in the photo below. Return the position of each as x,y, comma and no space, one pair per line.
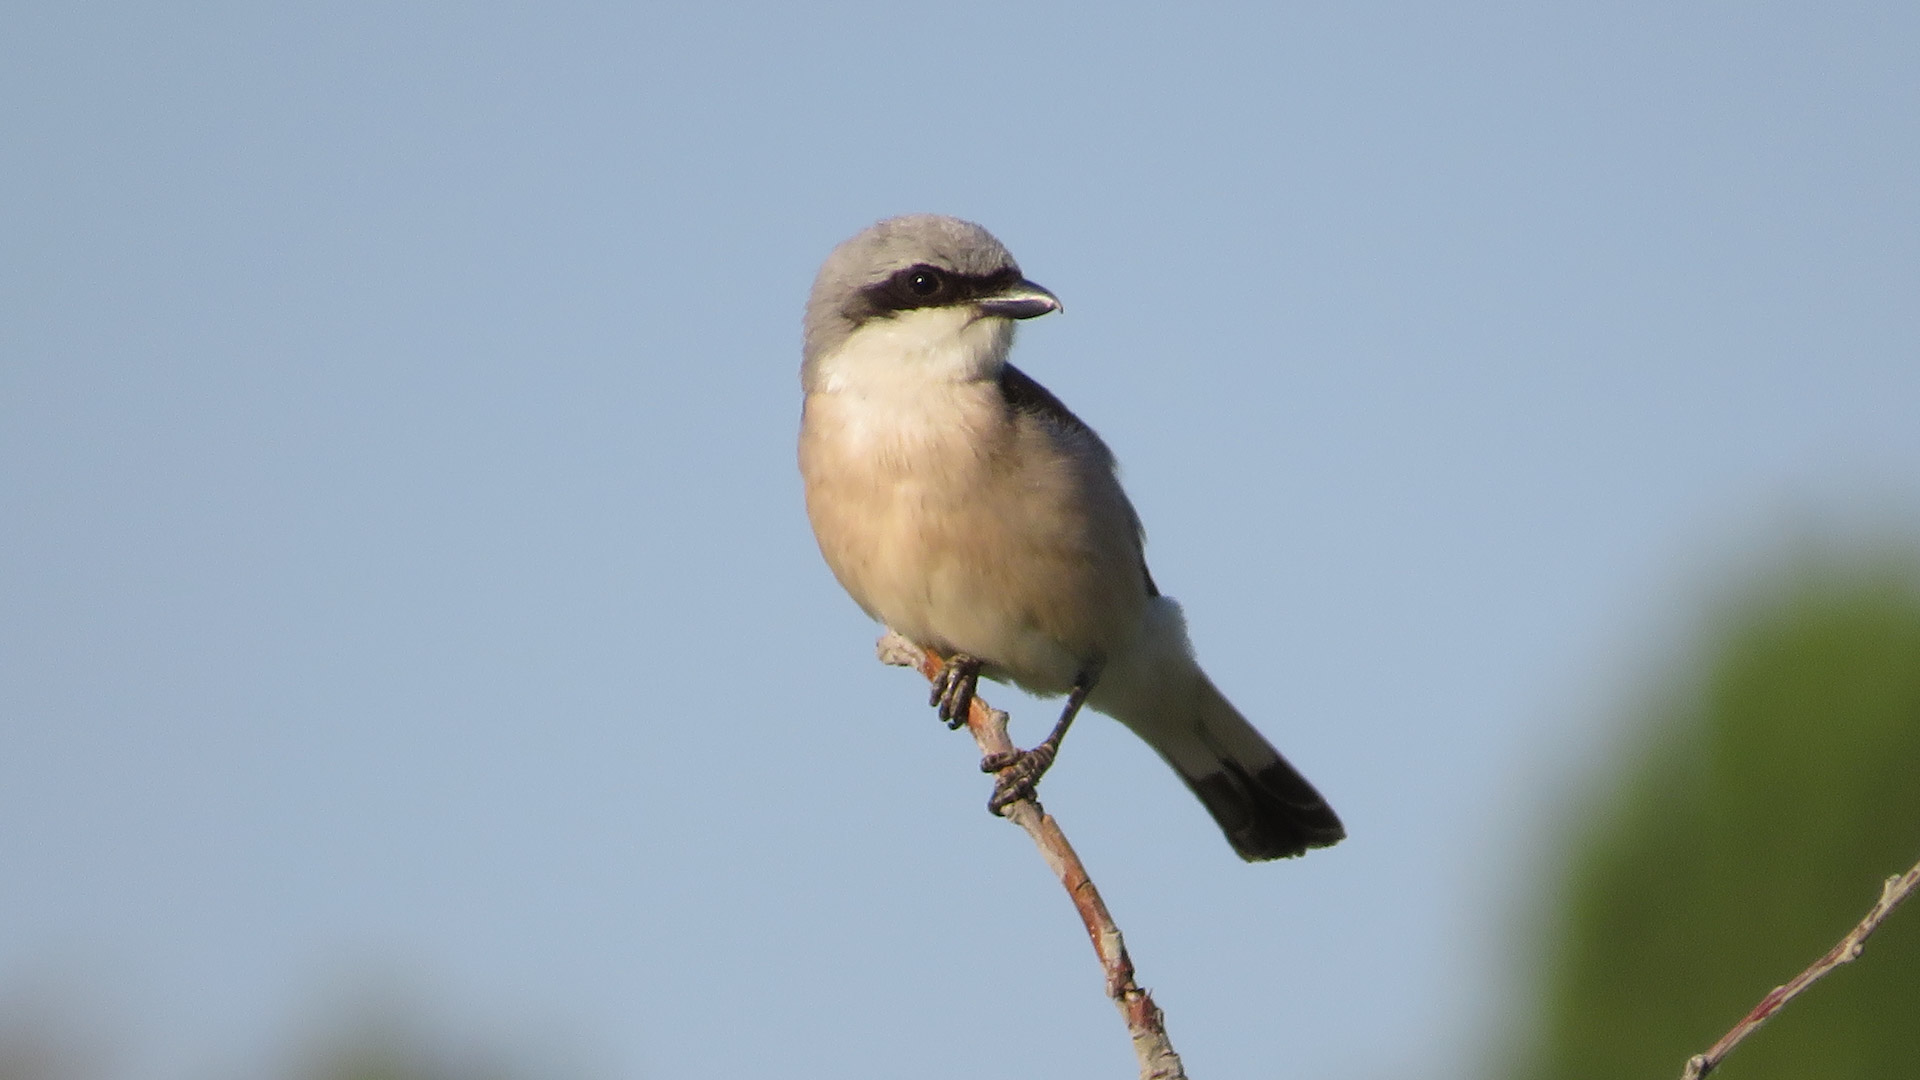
1020,300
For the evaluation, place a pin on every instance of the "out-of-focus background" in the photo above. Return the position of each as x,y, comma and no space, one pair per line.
414,661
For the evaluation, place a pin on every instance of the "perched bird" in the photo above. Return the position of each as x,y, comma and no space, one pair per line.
966,508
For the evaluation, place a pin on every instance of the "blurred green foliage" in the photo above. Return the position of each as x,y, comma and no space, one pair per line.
51,1046
385,1056
1777,788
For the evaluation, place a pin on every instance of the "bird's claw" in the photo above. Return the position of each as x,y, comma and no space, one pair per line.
1018,774
953,690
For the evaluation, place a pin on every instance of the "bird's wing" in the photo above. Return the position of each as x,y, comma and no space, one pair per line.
1023,394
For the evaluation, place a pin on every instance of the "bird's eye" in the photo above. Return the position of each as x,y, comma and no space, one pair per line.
924,282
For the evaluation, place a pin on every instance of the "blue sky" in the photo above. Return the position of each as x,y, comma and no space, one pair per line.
407,605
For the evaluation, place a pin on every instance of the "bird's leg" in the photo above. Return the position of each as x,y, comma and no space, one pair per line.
1020,770
953,689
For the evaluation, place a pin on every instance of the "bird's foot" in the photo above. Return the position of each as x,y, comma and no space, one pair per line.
953,690
1017,774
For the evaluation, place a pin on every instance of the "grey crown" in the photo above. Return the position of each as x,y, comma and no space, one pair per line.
883,249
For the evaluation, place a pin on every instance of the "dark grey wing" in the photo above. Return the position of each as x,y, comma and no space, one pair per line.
1023,394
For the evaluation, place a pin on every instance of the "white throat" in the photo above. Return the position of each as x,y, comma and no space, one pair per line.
915,350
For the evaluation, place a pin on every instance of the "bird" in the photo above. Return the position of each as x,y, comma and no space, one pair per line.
966,508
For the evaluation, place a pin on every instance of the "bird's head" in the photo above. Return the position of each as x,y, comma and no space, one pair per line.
922,285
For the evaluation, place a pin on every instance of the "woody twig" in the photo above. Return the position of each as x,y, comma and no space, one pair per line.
1143,1018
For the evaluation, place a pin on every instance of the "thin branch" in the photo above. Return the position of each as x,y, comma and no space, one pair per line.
1895,890
1144,1022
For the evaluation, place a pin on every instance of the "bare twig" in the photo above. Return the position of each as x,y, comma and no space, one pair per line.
989,728
1895,890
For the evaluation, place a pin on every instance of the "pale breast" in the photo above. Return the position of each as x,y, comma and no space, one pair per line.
887,486
949,523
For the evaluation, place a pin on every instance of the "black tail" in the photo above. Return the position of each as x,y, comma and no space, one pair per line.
1269,814
1266,808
